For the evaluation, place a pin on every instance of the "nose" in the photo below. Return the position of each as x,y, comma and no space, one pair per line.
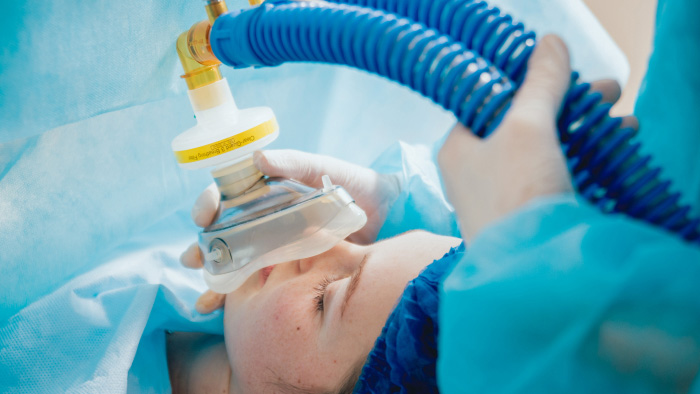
305,265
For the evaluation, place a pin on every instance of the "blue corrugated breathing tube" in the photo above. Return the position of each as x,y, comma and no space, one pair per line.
470,59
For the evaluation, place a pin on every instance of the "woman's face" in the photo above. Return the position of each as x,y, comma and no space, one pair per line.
306,323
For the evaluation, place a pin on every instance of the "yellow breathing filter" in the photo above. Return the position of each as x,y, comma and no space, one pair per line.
223,134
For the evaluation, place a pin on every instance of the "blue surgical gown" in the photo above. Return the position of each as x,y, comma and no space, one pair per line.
561,298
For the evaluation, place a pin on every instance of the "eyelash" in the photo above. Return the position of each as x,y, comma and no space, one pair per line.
320,290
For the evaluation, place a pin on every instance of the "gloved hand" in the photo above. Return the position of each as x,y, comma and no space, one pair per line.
373,192
488,179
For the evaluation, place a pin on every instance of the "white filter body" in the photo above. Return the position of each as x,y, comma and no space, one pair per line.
223,134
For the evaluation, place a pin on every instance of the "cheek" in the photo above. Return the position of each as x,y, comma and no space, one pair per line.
269,334
278,315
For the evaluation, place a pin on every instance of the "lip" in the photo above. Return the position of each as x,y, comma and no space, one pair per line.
265,273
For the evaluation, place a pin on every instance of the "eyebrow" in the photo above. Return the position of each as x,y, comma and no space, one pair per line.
352,286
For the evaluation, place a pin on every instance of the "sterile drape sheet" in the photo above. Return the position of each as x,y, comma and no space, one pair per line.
91,99
94,210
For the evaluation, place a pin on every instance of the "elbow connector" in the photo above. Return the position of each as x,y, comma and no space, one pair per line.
230,38
194,50
199,63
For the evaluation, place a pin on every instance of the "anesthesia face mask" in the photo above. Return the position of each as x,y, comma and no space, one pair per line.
263,221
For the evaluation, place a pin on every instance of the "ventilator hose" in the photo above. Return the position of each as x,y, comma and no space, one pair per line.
372,40
508,45
483,29
606,164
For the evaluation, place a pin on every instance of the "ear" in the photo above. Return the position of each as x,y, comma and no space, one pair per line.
198,363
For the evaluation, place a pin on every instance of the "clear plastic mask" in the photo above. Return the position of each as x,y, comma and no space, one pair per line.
280,220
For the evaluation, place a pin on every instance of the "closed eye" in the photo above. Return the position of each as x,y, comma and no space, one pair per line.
322,288
320,291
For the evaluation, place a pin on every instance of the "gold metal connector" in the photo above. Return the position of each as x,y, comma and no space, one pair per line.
196,74
194,49
215,8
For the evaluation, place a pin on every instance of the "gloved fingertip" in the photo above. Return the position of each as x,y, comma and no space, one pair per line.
630,122
192,257
260,161
546,82
274,162
209,302
552,44
200,307
552,57
205,207
610,89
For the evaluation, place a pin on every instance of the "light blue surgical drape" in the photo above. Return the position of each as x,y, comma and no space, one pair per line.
90,99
